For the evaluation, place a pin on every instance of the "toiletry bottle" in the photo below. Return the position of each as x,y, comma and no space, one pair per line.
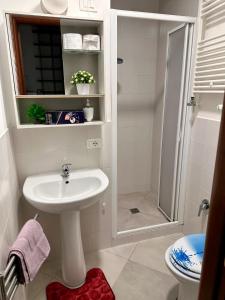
88,111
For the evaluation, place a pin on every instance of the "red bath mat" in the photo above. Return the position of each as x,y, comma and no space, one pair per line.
95,287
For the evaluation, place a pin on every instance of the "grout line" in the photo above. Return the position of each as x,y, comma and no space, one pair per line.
135,247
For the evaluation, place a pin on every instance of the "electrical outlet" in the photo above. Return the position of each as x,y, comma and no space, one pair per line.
94,143
88,5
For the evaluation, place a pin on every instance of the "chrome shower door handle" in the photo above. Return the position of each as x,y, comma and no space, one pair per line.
203,206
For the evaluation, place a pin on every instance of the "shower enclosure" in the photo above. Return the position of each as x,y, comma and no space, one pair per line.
151,75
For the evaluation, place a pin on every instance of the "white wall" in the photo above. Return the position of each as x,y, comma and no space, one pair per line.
42,150
140,5
179,7
136,96
202,156
9,199
9,193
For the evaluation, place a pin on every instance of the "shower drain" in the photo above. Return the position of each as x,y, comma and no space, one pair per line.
134,210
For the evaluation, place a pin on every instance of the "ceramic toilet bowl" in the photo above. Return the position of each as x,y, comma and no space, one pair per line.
184,262
188,286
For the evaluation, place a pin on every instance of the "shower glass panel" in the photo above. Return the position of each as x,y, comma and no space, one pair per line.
174,93
148,107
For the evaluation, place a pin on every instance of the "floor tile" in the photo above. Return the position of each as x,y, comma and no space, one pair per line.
52,268
124,251
42,292
137,282
127,221
136,271
40,296
37,287
150,253
148,215
111,264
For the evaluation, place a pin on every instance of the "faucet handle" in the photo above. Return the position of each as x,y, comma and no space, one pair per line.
203,206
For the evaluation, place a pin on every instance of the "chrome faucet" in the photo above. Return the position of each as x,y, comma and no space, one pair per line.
203,206
66,170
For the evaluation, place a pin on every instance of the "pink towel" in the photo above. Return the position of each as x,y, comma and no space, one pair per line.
31,248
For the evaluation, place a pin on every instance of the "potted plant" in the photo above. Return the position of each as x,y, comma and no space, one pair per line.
36,113
82,80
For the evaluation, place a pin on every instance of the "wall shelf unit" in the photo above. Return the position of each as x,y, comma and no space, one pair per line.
82,52
60,103
86,124
42,69
59,96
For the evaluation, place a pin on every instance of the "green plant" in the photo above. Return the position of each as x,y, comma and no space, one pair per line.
36,113
82,77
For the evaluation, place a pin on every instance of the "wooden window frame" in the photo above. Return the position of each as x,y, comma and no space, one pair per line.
15,21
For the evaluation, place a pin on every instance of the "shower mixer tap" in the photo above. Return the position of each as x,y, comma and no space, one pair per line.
203,206
192,102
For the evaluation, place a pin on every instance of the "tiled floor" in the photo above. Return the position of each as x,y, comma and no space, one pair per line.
135,271
149,213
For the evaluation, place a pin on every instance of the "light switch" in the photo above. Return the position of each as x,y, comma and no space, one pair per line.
88,5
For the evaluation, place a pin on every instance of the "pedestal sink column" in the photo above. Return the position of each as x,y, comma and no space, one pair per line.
73,263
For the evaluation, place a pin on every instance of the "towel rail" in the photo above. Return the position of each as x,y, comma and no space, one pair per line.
210,55
210,44
213,10
210,60
211,5
216,15
216,21
211,39
205,56
206,3
210,65
208,81
211,51
9,278
196,91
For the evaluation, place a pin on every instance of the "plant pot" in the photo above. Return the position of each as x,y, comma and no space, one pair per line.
83,88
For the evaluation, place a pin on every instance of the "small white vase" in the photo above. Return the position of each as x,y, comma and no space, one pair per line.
83,88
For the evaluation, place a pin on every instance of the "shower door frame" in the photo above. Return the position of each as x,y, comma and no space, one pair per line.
114,14
179,139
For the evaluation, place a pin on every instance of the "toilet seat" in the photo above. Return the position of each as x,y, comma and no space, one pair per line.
186,255
181,277
183,270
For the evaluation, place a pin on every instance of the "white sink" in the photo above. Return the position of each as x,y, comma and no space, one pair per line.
54,194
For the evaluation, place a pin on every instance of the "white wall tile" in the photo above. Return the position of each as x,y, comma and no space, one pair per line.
136,92
9,197
201,169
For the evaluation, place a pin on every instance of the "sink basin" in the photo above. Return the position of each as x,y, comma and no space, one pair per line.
54,194
67,196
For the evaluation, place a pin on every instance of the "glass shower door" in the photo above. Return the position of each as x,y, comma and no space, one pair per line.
173,109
